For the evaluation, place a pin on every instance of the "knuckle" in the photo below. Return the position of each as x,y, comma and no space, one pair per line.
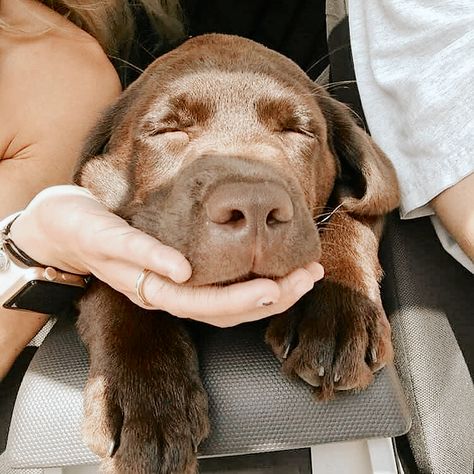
132,243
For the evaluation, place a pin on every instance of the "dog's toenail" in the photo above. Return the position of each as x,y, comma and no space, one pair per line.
337,377
373,353
321,371
286,352
111,450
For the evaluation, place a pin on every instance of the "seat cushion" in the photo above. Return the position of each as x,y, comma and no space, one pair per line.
253,407
427,294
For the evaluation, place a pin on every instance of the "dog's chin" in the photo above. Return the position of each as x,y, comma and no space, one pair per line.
243,278
201,280
246,271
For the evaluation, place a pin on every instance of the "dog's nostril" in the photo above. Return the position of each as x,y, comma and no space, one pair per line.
249,206
223,214
236,216
280,215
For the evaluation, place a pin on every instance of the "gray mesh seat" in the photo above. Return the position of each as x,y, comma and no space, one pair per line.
253,407
426,293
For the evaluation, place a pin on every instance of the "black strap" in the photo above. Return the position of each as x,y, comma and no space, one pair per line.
14,250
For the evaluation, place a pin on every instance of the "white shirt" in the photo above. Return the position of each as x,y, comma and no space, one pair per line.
414,64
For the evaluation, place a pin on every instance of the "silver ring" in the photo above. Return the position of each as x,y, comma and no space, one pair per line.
139,288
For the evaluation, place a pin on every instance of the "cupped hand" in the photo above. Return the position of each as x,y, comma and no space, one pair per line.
76,233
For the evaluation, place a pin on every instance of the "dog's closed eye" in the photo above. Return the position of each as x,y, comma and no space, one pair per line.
161,130
179,114
294,126
286,117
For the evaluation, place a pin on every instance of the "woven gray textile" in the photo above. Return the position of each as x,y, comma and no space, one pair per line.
5,468
424,285
253,408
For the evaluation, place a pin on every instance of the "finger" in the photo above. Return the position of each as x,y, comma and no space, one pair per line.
219,306
293,287
233,304
200,303
316,270
211,303
131,245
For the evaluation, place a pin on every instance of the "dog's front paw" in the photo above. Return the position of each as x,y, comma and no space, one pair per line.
140,427
335,339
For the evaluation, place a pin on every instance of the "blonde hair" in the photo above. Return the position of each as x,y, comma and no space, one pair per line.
113,22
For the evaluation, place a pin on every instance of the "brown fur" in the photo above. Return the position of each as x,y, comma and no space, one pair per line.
222,123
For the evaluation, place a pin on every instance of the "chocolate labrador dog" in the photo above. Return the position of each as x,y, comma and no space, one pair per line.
228,152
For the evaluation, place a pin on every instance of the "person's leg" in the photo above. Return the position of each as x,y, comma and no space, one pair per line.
17,328
455,209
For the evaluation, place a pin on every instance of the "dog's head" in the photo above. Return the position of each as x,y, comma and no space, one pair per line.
228,152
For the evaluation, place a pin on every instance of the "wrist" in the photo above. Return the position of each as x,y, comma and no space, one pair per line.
26,284
47,228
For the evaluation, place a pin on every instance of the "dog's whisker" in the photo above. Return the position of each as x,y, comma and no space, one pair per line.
326,56
334,228
328,208
128,63
152,56
330,215
337,84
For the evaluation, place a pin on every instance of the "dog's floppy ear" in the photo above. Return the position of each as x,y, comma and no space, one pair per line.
103,172
366,181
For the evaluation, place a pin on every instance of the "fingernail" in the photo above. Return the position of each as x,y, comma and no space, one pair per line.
265,302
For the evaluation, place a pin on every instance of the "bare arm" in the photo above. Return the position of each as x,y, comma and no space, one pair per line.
455,208
51,92
51,95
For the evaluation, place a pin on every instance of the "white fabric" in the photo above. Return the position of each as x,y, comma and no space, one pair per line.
414,65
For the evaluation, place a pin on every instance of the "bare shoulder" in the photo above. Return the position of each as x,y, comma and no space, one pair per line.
52,82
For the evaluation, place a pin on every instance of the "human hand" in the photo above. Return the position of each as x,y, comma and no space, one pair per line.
76,233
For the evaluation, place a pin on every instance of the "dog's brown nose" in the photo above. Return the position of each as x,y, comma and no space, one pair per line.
258,206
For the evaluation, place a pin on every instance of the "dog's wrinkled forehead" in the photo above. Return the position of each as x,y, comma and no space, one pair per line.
232,100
